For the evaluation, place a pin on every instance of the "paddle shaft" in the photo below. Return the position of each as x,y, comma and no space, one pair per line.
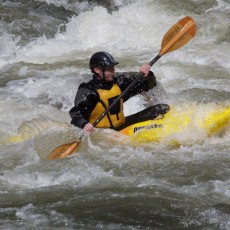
123,93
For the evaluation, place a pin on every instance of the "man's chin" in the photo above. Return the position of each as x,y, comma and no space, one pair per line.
109,79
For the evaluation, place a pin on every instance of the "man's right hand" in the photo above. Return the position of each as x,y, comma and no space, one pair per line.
89,128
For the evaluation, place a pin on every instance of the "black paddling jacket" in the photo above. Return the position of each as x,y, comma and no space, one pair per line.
87,97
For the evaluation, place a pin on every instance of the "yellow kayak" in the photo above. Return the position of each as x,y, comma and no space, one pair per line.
181,124
186,124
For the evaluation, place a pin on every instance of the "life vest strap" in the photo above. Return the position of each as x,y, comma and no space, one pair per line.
108,116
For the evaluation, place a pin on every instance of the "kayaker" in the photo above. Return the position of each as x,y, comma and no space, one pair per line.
95,96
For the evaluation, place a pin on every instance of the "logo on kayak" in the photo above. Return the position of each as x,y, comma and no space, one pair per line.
147,127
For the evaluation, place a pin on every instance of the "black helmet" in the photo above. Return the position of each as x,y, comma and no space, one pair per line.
102,59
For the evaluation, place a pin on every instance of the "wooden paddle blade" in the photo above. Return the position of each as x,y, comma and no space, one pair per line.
178,35
64,150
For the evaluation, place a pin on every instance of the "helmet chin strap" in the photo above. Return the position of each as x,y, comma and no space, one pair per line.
103,71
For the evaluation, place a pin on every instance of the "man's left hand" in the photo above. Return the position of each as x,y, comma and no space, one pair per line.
145,69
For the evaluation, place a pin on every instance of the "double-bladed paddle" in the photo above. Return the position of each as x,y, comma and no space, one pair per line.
177,36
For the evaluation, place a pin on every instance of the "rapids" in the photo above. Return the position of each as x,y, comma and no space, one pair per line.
109,183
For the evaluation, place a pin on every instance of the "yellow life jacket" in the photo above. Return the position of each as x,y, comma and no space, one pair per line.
115,117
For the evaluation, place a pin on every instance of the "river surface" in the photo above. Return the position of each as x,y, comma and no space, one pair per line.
108,184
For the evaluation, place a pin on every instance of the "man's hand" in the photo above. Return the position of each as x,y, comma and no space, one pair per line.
145,69
88,128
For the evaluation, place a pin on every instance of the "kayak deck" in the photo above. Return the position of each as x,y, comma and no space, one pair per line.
190,120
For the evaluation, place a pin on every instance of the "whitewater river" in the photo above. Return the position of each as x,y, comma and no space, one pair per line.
109,183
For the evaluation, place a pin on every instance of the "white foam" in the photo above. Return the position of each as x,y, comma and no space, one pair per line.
80,5
221,6
8,48
97,29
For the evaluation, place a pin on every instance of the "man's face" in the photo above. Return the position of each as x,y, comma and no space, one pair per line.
109,73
